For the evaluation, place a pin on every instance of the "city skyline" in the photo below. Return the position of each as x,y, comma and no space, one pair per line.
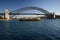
49,5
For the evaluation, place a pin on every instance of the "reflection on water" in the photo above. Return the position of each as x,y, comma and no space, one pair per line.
7,28
46,29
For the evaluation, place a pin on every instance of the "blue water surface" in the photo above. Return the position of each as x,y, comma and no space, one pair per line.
46,29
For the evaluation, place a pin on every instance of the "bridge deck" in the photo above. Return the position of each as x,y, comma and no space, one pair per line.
23,14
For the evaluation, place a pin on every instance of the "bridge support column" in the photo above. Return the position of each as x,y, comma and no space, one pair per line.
54,15
6,16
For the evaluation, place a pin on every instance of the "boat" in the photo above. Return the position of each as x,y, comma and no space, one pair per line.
30,19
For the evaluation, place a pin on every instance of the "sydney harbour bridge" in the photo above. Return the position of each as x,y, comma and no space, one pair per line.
18,12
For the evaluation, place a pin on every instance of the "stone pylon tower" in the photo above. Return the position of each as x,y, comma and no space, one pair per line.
54,15
6,16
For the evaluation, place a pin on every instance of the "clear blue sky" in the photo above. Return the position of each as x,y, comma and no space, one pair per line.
49,5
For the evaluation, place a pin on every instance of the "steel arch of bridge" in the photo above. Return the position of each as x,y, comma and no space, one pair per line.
18,11
30,8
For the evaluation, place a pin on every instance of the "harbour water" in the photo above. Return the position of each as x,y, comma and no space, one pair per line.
46,29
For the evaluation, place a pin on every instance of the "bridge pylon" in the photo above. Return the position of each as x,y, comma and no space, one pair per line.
54,15
6,15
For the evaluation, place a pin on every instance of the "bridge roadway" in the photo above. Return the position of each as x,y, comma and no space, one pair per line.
23,14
